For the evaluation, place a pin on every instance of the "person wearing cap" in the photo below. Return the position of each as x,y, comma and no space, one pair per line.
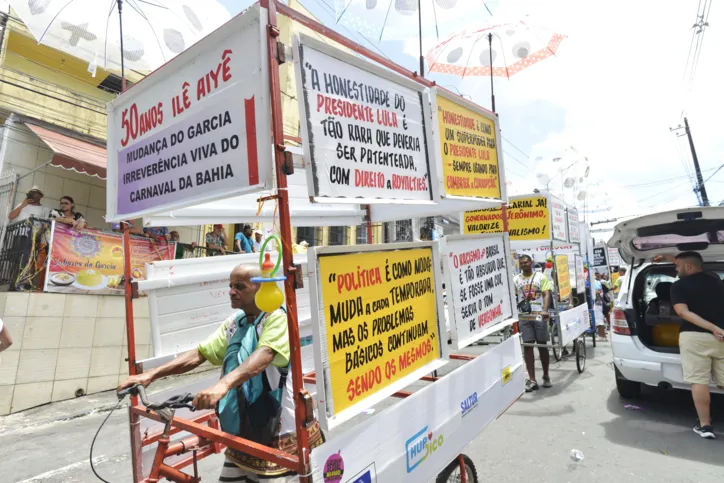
244,241
216,241
256,243
30,206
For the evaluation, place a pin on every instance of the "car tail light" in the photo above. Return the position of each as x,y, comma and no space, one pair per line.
619,324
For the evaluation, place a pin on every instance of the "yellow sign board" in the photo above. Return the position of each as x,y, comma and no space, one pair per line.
528,219
469,151
614,279
564,277
380,320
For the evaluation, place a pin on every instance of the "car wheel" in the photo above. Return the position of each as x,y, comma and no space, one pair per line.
627,389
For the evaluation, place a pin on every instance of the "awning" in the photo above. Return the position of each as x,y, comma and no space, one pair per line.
72,153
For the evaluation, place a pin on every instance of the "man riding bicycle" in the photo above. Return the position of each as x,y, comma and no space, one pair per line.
254,396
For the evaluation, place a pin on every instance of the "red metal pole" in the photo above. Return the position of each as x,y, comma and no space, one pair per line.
300,395
134,421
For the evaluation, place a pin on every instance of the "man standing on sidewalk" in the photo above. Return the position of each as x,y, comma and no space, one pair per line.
535,289
697,298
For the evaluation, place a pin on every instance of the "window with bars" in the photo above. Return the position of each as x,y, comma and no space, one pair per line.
337,235
309,234
361,235
398,231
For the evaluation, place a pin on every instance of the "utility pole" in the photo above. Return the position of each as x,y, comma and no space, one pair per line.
699,178
700,188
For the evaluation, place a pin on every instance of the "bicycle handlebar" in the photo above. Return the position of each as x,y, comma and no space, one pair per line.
175,402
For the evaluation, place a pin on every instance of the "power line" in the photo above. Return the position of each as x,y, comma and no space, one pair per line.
660,181
516,147
715,172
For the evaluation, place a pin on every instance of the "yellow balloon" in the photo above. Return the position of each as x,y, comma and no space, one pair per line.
269,298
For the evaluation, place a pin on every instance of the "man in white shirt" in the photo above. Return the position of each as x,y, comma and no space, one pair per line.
30,206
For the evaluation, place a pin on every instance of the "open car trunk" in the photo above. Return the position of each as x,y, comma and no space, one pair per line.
651,315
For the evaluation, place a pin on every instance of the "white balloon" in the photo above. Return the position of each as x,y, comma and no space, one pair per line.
569,182
581,196
542,178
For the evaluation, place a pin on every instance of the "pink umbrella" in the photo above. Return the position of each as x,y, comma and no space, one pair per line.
510,48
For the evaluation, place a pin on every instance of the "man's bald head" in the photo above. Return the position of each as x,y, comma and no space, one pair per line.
242,290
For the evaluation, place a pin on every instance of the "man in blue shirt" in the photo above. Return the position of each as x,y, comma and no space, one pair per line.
243,241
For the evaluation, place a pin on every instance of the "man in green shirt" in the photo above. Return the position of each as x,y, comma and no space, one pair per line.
272,352
619,280
535,288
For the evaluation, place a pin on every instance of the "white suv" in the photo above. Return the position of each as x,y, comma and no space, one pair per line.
644,303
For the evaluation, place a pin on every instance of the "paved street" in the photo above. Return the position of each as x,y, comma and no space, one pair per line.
531,442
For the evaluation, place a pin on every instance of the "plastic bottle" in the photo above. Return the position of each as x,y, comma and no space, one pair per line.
267,266
576,455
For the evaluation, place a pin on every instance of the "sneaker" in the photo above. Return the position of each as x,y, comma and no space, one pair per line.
565,353
531,386
547,382
706,432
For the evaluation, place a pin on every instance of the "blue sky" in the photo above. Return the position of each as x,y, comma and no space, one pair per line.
613,91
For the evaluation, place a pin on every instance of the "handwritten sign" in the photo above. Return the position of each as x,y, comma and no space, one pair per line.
468,150
91,261
558,220
614,259
574,230
580,276
528,219
564,277
365,129
378,322
478,271
195,131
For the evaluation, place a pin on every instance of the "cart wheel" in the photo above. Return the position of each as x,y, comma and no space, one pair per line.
581,355
557,353
451,474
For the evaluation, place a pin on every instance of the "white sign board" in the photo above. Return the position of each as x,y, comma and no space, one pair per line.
558,219
414,440
189,298
614,259
580,275
197,129
574,231
366,130
479,280
574,322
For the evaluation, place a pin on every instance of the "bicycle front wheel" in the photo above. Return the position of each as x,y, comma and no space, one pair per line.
451,474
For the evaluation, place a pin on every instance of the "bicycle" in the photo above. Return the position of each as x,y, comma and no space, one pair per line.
165,410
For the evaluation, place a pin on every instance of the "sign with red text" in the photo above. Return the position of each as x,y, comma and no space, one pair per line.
197,129
528,219
366,130
467,148
574,230
558,219
377,322
478,272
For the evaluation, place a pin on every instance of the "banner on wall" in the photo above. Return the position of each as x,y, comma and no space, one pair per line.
198,130
367,130
467,151
574,230
377,319
564,277
478,270
414,440
91,261
528,219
